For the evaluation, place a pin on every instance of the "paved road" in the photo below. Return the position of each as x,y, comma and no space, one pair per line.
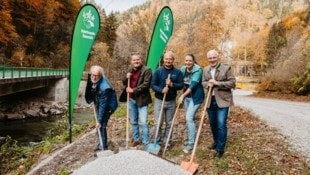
291,118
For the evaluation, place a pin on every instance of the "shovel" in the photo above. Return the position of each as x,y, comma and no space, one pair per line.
127,120
191,166
98,129
155,147
170,131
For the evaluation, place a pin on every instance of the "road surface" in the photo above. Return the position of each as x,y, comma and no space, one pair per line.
291,118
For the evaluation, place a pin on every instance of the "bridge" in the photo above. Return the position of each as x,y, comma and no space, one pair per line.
20,79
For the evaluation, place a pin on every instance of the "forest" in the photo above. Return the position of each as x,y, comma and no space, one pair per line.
265,39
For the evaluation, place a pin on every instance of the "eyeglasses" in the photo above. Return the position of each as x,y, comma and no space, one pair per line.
135,53
211,58
94,75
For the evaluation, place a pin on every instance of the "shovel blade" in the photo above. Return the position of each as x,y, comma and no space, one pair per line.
153,148
190,167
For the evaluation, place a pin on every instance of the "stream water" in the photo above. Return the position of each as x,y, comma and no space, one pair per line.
34,130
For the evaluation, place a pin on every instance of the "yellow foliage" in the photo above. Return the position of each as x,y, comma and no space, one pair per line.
295,19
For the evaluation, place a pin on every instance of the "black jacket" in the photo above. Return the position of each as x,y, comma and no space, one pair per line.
141,93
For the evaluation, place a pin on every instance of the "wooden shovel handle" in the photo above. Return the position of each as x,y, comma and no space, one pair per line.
200,125
127,115
98,129
170,131
160,113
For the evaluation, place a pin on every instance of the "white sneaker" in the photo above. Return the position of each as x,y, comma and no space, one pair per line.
187,150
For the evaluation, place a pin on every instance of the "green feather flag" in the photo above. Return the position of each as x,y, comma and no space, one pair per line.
85,30
161,34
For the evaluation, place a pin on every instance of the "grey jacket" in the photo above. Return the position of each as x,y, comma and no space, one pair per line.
226,80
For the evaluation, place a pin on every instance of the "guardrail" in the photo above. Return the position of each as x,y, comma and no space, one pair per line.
23,72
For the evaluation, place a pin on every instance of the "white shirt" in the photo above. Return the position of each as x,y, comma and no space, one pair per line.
213,69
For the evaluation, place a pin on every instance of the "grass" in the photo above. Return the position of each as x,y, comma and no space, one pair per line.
252,148
17,159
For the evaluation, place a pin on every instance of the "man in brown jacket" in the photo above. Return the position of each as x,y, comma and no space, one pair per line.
139,93
220,79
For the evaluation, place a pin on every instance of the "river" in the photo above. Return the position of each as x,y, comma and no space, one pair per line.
26,131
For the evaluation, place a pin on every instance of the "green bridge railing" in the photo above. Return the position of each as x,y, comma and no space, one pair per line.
23,72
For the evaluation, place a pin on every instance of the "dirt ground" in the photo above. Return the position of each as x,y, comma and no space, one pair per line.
68,157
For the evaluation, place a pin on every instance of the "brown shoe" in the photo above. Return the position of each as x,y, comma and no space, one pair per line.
134,143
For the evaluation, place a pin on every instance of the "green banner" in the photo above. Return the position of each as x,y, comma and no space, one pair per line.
84,34
161,34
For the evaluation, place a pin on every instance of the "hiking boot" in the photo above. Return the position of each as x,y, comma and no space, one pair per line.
212,146
96,149
219,154
99,149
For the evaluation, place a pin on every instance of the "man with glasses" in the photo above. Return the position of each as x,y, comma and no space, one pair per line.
100,91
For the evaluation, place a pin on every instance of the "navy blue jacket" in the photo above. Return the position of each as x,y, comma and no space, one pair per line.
104,97
159,82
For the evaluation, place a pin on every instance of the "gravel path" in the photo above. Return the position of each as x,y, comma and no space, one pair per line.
291,118
129,162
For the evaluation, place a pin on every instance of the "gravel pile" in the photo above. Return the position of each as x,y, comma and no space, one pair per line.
130,162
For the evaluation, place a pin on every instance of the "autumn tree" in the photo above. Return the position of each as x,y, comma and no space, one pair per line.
40,26
8,34
133,37
108,32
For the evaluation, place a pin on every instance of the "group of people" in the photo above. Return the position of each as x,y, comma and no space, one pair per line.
166,81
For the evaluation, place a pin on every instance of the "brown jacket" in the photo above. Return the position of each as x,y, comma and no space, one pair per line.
141,93
226,80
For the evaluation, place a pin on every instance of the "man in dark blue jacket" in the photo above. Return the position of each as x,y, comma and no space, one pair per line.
100,91
162,84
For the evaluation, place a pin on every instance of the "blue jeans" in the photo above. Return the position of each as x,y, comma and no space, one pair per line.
167,116
218,124
137,113
191,110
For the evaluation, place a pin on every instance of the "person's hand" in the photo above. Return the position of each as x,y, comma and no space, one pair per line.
165,90
212,82
129,90
169,82
181,98
98,125
128,75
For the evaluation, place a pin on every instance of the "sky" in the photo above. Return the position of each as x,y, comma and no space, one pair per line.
118,5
